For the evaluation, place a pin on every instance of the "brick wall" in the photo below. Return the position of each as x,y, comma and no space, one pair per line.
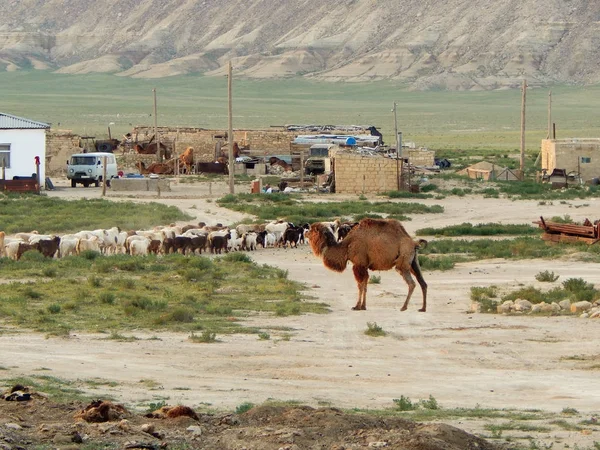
60,145
356,174
573,155
424,158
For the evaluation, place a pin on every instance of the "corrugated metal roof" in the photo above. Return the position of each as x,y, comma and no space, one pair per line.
9,122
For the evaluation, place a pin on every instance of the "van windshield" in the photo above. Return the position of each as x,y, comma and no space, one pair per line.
83,160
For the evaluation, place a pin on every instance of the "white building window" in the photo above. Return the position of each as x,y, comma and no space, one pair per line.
586,160
5,155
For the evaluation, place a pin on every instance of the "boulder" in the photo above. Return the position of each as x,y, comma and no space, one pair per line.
580,307
523,305
565,304
505,307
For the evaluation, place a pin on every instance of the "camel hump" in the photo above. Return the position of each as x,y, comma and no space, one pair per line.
421,243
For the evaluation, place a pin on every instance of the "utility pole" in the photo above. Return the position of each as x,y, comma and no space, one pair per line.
398,150
230,131
156,136
523,99
549,115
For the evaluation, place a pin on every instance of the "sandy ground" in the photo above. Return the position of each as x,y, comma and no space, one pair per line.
461,359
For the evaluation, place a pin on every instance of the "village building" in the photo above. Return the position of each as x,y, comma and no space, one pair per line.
22,144
575,156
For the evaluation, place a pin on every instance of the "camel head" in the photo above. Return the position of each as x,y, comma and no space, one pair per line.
320,237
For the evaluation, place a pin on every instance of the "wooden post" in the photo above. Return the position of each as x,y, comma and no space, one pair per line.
37,171
230,130
103,176
549,115
523,100
397,145
156,136
301,168
553,131
3,169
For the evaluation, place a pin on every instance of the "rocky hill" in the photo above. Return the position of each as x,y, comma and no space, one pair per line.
455,44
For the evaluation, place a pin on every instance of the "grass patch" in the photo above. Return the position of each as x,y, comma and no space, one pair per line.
546,276
482,229
21,212
206,337
244,407
171,293
374,279
293,209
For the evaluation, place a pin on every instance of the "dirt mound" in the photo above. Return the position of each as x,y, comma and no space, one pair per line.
38,422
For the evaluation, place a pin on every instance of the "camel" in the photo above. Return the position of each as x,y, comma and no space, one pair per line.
167,168
186,159
275,161
373,244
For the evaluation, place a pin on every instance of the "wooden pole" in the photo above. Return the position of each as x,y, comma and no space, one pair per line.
523,100
230,130
549,115
302,168
103,176
156,136
37,172
397,146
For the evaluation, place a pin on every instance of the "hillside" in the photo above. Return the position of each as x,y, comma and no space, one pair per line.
456,44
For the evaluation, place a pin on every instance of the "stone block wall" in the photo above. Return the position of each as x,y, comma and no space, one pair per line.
208,144
357,174
60,145
424,158
573,155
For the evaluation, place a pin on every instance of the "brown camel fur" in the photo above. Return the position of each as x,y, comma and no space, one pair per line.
186,159
374,244
167,168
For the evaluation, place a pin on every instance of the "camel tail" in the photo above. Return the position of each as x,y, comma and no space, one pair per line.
421,244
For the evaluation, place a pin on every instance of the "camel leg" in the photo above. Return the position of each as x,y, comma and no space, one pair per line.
411,285
416,270
361,275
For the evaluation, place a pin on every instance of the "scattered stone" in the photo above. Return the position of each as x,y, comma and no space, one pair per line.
537,308
195,430
13,426
378,444
148,428
565,304
580,307
522,305
505,307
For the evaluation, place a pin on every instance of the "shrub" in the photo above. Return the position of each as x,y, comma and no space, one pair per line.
94,281
244,407
430,403
237,257
207,337
49,272
546,276
90,255
576,284
182,315
375,279
404,404
54,308
374,330
107,298
264,336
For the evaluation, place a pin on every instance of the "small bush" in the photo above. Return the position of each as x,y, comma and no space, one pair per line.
375,279
244,407
54,308
237,257
264,336
207,337
94,281
49,272
107,298
430,403
30,293
182,315
404,404
89,255
546,276
374,330
576,284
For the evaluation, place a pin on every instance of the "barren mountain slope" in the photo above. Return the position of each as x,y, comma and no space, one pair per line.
456,44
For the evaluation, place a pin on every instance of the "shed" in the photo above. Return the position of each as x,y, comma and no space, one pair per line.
21,141
488,171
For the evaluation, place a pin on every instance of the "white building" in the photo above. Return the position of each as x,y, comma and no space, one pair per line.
21,141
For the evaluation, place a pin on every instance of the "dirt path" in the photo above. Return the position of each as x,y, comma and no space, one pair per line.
461,359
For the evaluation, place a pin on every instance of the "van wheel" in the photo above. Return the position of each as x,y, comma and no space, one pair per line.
97,183
73,183
86,184
107,183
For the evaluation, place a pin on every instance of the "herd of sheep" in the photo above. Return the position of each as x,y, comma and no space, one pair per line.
187,240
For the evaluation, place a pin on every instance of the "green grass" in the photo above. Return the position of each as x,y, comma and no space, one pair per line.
293,209
481,229
52,215
127,293
487,120
374,330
